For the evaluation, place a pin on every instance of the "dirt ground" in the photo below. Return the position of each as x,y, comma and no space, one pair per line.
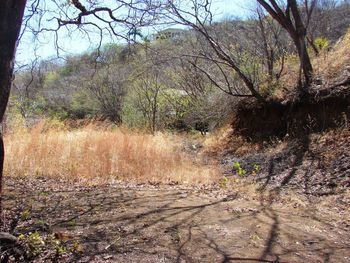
125,223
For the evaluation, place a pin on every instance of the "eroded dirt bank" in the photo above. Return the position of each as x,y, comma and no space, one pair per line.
121,223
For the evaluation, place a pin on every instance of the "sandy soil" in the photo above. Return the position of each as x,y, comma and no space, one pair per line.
121,223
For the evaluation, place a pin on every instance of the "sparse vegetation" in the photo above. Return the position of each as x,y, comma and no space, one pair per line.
193,139
331,64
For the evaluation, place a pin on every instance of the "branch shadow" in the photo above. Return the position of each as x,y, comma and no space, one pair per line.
172,225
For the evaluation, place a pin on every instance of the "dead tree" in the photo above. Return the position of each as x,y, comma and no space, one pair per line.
291,20
199,18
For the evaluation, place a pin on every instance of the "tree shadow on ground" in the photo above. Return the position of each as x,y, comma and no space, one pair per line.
173,225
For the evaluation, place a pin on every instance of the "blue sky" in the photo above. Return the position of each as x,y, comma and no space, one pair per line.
75,43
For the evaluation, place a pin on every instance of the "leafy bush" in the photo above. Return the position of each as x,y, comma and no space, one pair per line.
321,43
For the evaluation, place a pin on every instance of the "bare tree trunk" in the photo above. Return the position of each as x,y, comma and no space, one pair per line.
11,15
305,62
295,28
154,116
154,110
300,41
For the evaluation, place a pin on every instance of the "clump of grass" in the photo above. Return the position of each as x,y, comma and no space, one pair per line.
99,154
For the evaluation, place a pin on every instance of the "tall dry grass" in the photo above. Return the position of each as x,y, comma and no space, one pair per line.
99,154
223,141
332,64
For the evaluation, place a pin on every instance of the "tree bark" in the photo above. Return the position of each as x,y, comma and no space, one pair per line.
305,62
300,42
11,15
295,28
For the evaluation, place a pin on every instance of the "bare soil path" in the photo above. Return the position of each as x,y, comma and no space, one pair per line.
119,223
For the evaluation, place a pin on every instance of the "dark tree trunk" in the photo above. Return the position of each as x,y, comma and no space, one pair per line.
11,15
305,62
295,28
300,42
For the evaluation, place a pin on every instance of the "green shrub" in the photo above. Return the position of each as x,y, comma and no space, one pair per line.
321,43
240,171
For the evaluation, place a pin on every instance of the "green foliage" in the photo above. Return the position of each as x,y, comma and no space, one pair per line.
321,43
148,96
16,121
25,214
58,113
76,247
29,106
228,181
56,244
37,243
34,241
83,105
41,222
72,65
251,64
51,77
240,171
61,249
132,116
256,169
223,182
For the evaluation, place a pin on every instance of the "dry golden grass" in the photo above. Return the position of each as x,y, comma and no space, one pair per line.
331,64
223,140
100,154
218,139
